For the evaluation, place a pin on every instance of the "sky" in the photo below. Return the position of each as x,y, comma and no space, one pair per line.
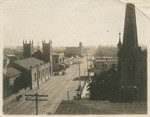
68,22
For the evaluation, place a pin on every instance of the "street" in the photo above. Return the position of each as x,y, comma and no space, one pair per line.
56,90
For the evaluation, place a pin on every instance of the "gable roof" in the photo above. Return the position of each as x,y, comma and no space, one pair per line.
11,72
28,62
38,52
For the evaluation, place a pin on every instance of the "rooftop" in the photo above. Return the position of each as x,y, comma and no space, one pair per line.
11,72
28,62
100,107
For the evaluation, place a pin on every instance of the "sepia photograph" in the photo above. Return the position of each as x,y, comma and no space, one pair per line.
74,57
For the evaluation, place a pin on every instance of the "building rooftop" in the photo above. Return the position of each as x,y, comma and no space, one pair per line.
18,53
28,62
58,54
11,72
100,107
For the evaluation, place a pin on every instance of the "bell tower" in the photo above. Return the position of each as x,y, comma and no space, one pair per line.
47,52
27,49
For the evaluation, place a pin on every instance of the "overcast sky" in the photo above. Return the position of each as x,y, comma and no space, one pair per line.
68,22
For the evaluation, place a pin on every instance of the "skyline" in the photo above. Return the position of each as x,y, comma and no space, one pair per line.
65,22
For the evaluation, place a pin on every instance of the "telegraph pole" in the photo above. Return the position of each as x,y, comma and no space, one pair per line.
35,98
79,76
38,78
36,103
68,94
87,64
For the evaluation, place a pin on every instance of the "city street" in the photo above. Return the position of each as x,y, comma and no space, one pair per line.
56,90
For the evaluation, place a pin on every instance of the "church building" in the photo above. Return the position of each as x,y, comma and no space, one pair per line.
132,61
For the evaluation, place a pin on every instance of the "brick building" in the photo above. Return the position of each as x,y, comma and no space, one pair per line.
73,51
32,69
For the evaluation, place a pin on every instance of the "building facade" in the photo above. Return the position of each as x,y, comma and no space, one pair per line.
58,60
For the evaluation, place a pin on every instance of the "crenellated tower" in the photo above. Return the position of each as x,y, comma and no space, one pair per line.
47,52
27,49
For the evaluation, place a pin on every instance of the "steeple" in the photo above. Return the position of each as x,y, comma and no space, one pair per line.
119,43
130,40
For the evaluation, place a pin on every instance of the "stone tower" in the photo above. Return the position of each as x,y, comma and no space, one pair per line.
27,49
47,52
129,52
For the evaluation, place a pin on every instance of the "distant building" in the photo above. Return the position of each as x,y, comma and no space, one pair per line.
32,69
69,61
104,64
73,51
19,55
58,62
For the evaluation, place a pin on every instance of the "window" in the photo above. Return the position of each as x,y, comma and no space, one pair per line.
43,72
131,72
34,76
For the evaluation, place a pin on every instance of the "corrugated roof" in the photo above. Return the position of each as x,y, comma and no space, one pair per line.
28,62
11,72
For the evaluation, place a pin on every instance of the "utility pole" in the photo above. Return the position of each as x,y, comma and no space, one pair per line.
36,99
79,76
68,94
38,75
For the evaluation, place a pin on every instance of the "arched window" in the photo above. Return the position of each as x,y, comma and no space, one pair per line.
131,72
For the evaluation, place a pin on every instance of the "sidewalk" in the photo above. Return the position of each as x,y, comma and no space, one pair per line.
11,100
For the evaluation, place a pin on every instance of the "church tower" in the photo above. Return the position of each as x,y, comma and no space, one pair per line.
129,52
27,49
47,52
